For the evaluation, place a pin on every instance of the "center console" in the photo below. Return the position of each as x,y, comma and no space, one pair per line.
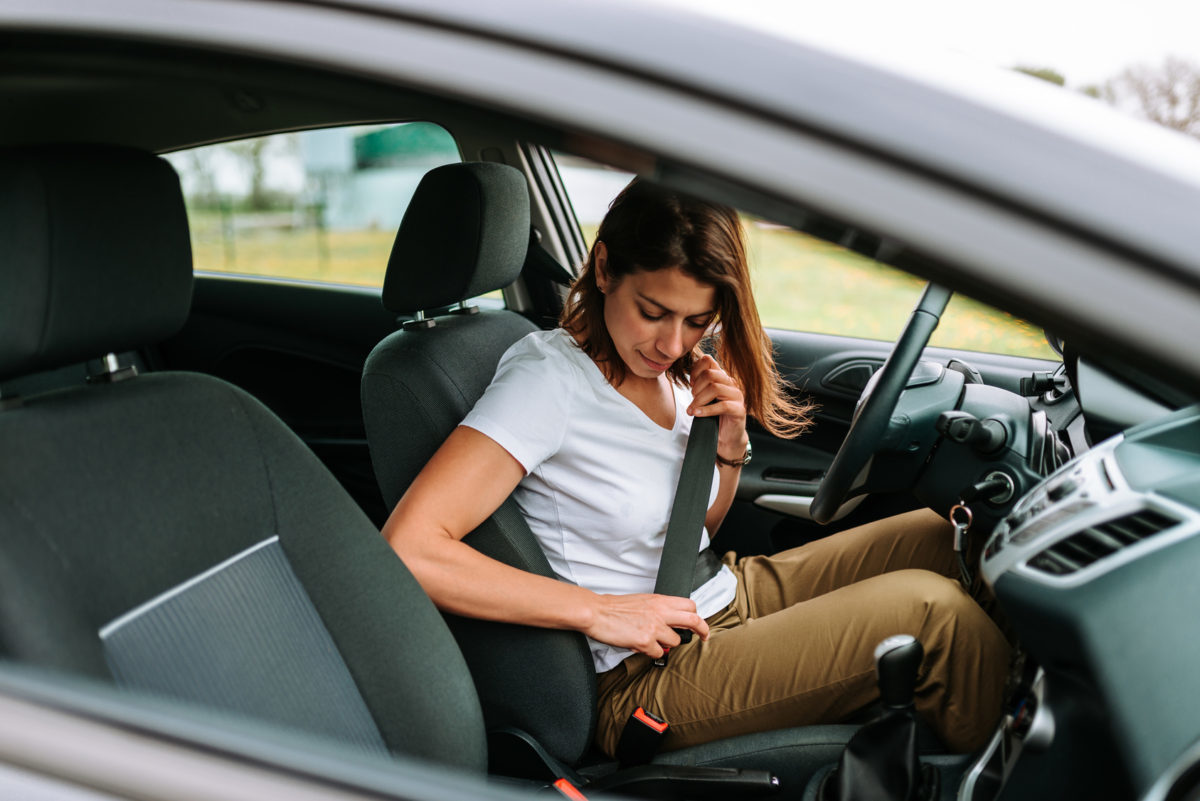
1094,568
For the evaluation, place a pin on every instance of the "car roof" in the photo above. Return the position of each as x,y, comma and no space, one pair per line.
1097,211
1028,143
1031,143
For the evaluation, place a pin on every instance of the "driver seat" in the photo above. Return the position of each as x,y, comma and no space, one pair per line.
465,233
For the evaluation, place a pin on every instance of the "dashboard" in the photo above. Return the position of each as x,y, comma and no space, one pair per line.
1096,570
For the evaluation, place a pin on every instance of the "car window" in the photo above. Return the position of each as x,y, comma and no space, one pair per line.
318,205
803,283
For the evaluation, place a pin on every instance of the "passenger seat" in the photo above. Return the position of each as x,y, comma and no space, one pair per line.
167,532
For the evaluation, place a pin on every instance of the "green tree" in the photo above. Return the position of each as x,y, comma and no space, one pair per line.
251,153
1168,94
1045,73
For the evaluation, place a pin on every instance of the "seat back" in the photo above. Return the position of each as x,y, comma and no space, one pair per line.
465,233
166,531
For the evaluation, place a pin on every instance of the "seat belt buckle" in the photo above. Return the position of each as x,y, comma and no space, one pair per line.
641,738
685,636
568,790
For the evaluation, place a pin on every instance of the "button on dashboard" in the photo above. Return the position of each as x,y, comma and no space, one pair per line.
1061,489
994,547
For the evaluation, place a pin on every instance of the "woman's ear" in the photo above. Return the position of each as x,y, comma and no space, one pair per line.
600,259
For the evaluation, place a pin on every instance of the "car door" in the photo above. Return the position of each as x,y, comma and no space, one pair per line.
291,236
829,344
832,369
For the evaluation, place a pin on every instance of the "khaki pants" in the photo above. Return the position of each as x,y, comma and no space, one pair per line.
796,645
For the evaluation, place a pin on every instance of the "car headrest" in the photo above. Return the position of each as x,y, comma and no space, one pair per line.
465,233
94,254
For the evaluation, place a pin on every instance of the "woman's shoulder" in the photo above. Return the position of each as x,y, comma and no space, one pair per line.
553,353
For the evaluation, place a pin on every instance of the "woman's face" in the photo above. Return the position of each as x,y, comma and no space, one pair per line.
654,318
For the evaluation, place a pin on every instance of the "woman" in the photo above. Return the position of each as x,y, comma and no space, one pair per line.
588,423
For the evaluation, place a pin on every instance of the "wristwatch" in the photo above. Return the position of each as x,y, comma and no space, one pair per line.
745,460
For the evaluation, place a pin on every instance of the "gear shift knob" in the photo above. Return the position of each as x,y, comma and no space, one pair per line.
897,660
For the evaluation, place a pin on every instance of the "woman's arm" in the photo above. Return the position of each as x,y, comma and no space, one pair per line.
465,481
715,392
715,515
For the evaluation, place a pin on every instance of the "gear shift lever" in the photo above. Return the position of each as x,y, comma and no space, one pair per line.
880,761
897,660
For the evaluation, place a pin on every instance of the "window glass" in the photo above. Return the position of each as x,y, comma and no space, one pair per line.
803,283
807,284
590,187
318,205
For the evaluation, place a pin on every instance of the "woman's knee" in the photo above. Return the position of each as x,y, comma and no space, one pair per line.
926,521
931,590
942,605
932,534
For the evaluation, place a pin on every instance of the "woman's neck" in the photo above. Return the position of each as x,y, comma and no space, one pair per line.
654,396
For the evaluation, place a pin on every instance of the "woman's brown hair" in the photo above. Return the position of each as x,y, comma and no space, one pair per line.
651,228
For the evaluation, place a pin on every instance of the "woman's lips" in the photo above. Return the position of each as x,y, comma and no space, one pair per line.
653,365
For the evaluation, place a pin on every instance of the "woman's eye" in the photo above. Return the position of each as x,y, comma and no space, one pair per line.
646,315
699,324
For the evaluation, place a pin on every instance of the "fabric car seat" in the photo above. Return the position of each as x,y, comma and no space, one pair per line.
167,532
464,234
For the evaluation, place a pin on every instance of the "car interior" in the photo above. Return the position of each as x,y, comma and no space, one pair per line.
194,466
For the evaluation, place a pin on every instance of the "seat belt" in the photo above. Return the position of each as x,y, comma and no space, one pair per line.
681,547
680,561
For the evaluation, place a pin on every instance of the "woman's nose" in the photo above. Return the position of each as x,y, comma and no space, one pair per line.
670,344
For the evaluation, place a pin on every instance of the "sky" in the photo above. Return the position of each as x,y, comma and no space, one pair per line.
1087,42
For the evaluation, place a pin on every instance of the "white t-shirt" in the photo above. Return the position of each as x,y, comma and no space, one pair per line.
600,475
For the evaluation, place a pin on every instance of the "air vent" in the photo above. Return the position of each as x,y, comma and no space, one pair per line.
1096,542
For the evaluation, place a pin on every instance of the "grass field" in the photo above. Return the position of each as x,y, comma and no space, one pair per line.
807,284
308,253
801,283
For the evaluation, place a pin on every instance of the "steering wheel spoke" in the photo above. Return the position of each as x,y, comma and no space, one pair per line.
877,404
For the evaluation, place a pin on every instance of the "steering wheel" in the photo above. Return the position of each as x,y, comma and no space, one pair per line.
877,404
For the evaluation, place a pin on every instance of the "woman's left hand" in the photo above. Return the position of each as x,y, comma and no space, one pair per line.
714,392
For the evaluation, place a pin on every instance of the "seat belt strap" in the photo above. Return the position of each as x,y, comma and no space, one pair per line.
681,546
678,569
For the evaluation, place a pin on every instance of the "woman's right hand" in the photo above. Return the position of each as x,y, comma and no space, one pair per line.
643,623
